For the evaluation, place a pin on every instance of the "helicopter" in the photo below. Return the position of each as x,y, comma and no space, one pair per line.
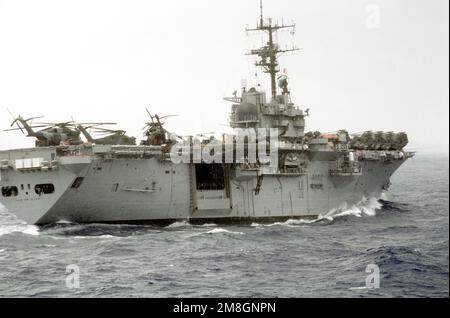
113,137
51,134
156,134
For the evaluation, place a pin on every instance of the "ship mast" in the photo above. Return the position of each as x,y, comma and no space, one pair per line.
269,54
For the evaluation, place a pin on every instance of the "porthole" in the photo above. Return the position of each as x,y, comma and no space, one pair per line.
10,191
47,188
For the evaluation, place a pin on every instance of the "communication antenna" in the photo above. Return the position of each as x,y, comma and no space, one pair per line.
261,21
268,54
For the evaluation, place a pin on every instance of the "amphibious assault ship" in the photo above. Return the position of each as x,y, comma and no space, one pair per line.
113,180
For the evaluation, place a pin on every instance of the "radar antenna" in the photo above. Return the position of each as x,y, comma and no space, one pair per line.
269,54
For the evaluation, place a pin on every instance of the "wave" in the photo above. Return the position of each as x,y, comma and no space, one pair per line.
79,231
184,224
208,225
292,222
404,261
22,228
11,224
366,207
359,288
46,246
394,206
64,222
219,230
394,255
178,225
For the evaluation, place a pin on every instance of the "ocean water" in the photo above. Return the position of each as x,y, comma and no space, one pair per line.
406,235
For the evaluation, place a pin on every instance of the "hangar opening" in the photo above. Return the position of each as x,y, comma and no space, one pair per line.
210,177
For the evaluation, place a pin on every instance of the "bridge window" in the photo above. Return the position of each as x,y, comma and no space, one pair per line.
10,191
44,188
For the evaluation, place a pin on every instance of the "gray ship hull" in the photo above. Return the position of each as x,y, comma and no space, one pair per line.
93,188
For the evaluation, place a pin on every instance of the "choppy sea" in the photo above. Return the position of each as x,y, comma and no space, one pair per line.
405,236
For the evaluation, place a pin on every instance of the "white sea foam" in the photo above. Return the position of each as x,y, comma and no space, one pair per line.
295,222
22,228
11,224
178,224
384,196
64,222
96,237
108,236
359,288
220,230
187,224
209,225
292,222
366,207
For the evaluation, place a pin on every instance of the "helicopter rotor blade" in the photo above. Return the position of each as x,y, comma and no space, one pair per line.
64,124
40,126
110,131
12,129
96,124
55,124
32,118
15,121
149,126
168,116
21,129
151,117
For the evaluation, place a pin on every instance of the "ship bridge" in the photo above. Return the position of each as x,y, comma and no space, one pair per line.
254,112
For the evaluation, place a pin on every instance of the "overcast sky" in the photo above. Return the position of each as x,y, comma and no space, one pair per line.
108,60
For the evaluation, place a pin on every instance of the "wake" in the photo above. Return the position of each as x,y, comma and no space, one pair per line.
364,208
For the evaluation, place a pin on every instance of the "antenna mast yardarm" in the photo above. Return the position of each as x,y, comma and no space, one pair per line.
269,53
